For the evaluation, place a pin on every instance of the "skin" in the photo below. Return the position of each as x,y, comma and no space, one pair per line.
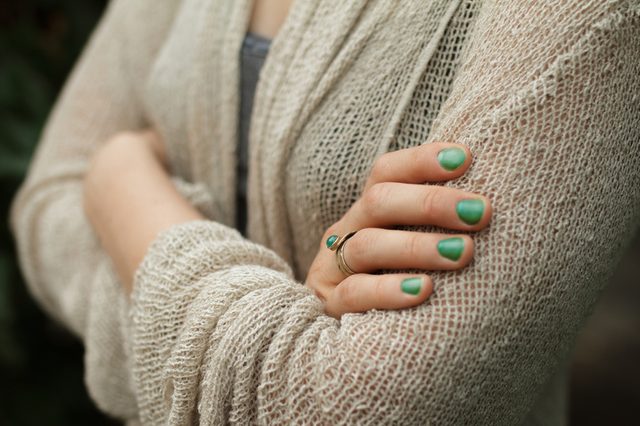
129,199
268,16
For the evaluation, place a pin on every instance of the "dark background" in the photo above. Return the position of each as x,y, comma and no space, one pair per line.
41,376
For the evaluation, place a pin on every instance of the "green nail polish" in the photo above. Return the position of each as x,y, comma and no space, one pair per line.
451,248
451,158
470,211
411,285
332,239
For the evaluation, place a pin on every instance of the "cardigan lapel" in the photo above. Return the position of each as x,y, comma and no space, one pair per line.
214,103
306,57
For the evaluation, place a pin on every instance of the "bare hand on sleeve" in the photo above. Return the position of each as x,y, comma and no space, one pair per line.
395,194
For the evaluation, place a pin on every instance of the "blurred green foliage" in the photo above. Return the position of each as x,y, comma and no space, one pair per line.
41,374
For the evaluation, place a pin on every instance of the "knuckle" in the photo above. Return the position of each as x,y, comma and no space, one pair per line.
377,290
358,248
348,294
430,199
381,167
320,294
314,271
317,290
414,248
376,196
318,282
360,242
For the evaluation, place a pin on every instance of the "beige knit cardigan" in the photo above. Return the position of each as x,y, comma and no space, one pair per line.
220,328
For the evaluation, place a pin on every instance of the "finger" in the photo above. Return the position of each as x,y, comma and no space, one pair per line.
371,249
387,203
362,292
430,162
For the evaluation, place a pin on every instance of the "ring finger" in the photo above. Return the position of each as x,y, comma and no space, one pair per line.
371,249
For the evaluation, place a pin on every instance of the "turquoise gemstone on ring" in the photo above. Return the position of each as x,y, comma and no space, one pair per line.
331,240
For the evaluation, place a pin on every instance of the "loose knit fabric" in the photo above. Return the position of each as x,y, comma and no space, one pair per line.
220,328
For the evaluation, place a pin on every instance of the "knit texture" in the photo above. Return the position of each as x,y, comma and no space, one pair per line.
220,328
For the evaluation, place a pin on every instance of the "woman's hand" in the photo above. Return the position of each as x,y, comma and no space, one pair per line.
129,198
395,194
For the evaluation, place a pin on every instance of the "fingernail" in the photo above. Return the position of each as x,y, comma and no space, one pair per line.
411,285
451,158
470,211
451,248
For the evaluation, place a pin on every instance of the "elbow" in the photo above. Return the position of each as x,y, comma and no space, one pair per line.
20,223
23,224
47,221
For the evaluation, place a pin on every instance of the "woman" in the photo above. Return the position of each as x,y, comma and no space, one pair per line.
219,328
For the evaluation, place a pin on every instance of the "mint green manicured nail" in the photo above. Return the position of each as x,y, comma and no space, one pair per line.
451,248
451,158
411,285
470,211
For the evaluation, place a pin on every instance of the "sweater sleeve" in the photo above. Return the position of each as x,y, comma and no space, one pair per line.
64,266
221,331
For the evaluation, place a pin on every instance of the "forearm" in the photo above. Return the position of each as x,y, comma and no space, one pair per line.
129,198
